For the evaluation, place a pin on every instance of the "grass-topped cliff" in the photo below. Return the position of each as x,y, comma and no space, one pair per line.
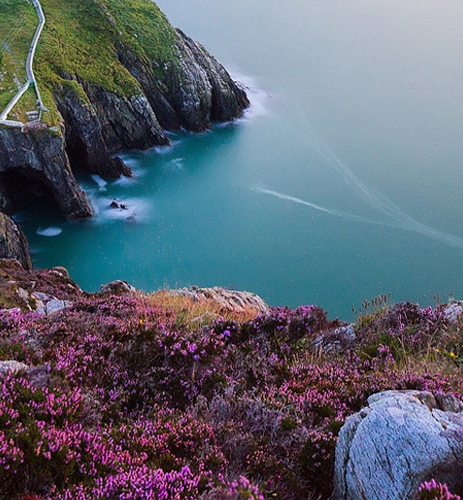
18,21
80,40
113,74
127,395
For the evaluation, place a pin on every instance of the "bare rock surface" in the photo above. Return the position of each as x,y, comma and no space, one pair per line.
118,287
12,367
231,300
39,157
13,243
385,451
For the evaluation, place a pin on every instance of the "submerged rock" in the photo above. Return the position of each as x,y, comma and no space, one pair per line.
403,438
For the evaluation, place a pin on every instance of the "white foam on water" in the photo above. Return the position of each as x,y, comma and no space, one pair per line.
164,150
49,231
392,214
174,165
129,209
257,97
101,183
319,208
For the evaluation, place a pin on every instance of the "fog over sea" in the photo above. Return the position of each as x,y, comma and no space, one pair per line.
343,181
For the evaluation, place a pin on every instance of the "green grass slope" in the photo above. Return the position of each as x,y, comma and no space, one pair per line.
80,40
18,22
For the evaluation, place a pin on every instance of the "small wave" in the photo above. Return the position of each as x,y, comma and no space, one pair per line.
129,209
175,164
49,231
257,96
100,182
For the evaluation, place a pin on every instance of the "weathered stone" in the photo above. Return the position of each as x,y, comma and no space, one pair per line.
337,340
11,367
401,439
199,89
453,311
85,145
56,305
118,287
13,244
230,300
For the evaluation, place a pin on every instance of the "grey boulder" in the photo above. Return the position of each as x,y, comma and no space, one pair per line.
400,440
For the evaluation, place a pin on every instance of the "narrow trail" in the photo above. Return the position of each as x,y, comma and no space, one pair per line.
29,72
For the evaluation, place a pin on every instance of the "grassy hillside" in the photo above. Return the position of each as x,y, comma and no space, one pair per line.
18,21
81,39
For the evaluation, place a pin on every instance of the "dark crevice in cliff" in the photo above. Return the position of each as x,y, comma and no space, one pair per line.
25,190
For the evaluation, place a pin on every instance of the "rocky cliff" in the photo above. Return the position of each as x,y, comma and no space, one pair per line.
114,75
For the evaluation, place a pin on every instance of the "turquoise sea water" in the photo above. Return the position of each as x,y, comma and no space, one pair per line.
344,181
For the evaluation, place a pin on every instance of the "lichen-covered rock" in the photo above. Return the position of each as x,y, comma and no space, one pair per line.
400,440
13,244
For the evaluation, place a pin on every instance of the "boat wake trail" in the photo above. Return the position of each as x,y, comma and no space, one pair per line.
330,211
391,214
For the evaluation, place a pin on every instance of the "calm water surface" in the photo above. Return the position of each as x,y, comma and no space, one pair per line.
344,181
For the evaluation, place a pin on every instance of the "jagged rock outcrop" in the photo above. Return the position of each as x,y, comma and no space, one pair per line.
85,145
227,100
230,300
39,157
400,440
199,89
13,243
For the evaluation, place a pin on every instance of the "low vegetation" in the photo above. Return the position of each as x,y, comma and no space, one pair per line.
18,22
81,41
159,397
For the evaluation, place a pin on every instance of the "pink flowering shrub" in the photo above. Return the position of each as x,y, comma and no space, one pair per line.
124,400
432,490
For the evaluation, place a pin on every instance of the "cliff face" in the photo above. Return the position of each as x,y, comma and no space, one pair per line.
38,157
13,243
111,89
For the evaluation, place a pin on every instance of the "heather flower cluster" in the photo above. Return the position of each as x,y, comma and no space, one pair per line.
432,490
123,399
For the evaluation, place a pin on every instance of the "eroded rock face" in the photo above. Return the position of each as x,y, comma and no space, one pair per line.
13,244
401,439
85,145
199,89
40,156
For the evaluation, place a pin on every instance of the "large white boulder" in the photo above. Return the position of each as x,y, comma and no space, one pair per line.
402,438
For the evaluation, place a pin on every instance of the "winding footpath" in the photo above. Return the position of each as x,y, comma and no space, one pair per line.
30,75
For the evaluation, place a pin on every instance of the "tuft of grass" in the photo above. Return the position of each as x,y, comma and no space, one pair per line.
196,314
